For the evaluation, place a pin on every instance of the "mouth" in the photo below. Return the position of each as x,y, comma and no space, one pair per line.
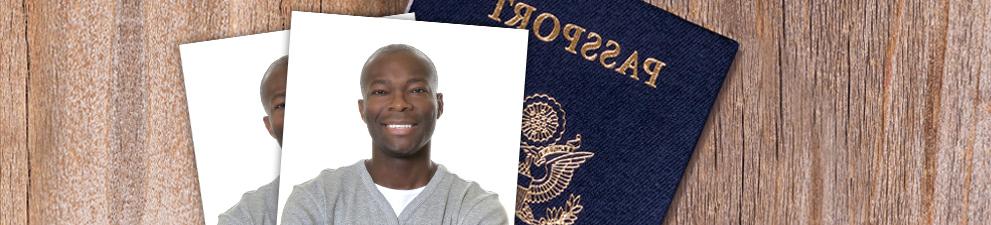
399,128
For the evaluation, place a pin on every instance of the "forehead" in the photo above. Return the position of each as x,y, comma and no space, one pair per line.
275,80
401,59
396,65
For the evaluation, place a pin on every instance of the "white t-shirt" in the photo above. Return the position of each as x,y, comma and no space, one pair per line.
398,199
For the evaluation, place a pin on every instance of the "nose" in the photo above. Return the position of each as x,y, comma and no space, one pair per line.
400,104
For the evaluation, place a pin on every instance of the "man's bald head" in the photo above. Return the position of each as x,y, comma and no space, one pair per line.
274,82
398,52
273,96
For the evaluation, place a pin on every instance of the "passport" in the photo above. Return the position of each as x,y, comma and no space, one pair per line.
617,94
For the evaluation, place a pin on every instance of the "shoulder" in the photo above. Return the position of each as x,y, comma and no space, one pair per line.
328,181
310,201
255,207
327,178
469,190
477,204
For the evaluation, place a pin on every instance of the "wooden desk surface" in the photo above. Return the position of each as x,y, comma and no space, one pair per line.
836,112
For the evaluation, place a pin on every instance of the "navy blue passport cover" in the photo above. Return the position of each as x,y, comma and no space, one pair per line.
599,146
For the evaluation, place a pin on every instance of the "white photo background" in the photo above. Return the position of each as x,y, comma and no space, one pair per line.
480,71
234,151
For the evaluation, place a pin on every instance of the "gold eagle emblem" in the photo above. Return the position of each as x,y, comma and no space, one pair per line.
547,166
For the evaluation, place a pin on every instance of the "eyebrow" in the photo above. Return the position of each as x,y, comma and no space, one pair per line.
416,80
280,94
374,82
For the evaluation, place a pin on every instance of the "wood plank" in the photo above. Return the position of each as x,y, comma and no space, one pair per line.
731,162
963,159
761,26
713,188
348,7
13,114
112,142
917,47
866,45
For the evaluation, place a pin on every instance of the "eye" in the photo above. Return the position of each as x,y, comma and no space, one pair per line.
418,90
378,92
279,106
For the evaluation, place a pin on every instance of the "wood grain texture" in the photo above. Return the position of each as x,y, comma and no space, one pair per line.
13,114
835,112
844,112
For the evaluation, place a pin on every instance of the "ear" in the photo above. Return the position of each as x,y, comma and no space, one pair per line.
268,126
440,104
361,109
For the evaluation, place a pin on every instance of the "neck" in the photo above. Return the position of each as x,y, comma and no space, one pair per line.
403,173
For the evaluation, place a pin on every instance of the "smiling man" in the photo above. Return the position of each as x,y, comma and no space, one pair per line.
258,207
399,184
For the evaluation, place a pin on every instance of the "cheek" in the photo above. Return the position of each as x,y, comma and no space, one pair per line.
372,109
425,103
277,120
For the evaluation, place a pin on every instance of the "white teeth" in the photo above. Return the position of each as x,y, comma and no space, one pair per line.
399,126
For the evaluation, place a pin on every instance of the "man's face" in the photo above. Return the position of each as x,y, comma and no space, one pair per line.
400,106
273,93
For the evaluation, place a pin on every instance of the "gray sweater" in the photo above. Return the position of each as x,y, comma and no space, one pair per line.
255,208
348,196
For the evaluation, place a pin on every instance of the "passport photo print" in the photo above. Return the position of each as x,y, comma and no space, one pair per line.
366,87
235,91
235,152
